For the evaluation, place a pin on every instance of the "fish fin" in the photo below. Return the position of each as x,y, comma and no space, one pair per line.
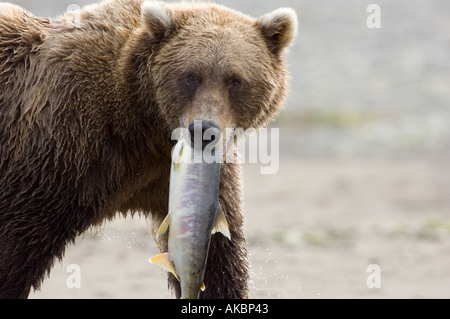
221,224
164,226
203,287
163,261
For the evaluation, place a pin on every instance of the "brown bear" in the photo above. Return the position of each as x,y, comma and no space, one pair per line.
88,102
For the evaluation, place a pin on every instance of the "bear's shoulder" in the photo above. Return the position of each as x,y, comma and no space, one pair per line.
10,11
20,33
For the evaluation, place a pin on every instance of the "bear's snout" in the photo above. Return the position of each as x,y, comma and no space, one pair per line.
204,133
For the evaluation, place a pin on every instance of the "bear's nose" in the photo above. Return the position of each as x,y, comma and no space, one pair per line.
204,133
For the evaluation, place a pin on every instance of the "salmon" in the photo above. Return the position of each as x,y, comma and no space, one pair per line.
194,215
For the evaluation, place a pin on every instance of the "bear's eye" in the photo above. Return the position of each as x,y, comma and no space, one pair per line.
235,84
192,79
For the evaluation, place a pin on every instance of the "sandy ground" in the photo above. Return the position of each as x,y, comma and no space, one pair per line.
313,229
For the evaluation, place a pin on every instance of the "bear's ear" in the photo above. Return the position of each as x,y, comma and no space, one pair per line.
279,29
157,20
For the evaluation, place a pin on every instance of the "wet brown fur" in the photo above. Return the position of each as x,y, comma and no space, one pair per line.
86,116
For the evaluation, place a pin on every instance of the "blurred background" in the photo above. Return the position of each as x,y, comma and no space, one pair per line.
364,175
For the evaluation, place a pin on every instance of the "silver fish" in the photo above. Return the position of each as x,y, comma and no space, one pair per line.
194,214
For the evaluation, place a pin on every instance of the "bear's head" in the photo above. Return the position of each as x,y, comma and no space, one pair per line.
201,61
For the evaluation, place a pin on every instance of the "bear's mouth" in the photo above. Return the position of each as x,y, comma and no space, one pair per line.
204,133
206,137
